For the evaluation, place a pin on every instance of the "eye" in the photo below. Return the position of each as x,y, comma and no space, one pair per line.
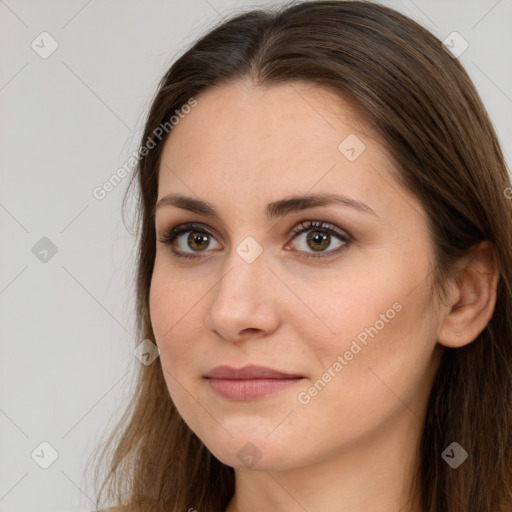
198,238
319,237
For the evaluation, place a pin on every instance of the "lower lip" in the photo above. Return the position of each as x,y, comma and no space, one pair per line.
248,389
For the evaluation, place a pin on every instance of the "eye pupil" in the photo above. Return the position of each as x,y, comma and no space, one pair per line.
318,237
199,239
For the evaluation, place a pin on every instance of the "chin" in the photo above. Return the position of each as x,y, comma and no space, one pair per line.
254,451
251,457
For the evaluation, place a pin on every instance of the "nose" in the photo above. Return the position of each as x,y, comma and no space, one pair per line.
245,301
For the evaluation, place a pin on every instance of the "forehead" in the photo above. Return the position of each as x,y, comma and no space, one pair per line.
255,134
240,114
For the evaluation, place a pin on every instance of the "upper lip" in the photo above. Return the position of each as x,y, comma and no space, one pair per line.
248,372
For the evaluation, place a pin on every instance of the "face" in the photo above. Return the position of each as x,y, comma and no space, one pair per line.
336,296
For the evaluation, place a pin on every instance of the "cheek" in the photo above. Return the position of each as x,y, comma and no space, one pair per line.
336,309
173,298
171,314
173,306
385,342
372,372
377,317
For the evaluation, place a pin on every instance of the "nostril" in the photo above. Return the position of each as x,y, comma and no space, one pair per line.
249,330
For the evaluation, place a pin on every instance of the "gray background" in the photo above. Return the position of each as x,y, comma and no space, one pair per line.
68,123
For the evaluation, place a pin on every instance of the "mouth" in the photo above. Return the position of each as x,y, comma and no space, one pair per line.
249,382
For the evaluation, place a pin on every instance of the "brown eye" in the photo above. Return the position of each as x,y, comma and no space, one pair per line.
318,241
320,237
197,241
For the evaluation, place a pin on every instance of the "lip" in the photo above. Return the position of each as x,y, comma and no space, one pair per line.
249,382
248,372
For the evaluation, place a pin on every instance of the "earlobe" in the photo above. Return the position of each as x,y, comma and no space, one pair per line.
473,298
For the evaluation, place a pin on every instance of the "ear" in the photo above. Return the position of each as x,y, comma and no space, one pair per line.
472,298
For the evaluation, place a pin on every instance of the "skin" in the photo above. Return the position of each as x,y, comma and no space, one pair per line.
354,445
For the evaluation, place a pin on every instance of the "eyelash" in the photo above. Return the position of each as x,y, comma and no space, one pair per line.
170,235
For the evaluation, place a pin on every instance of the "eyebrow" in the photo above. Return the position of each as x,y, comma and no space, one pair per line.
273,210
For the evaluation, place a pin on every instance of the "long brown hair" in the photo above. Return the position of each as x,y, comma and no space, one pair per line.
425,108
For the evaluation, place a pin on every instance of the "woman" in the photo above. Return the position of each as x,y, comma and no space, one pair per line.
325,266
